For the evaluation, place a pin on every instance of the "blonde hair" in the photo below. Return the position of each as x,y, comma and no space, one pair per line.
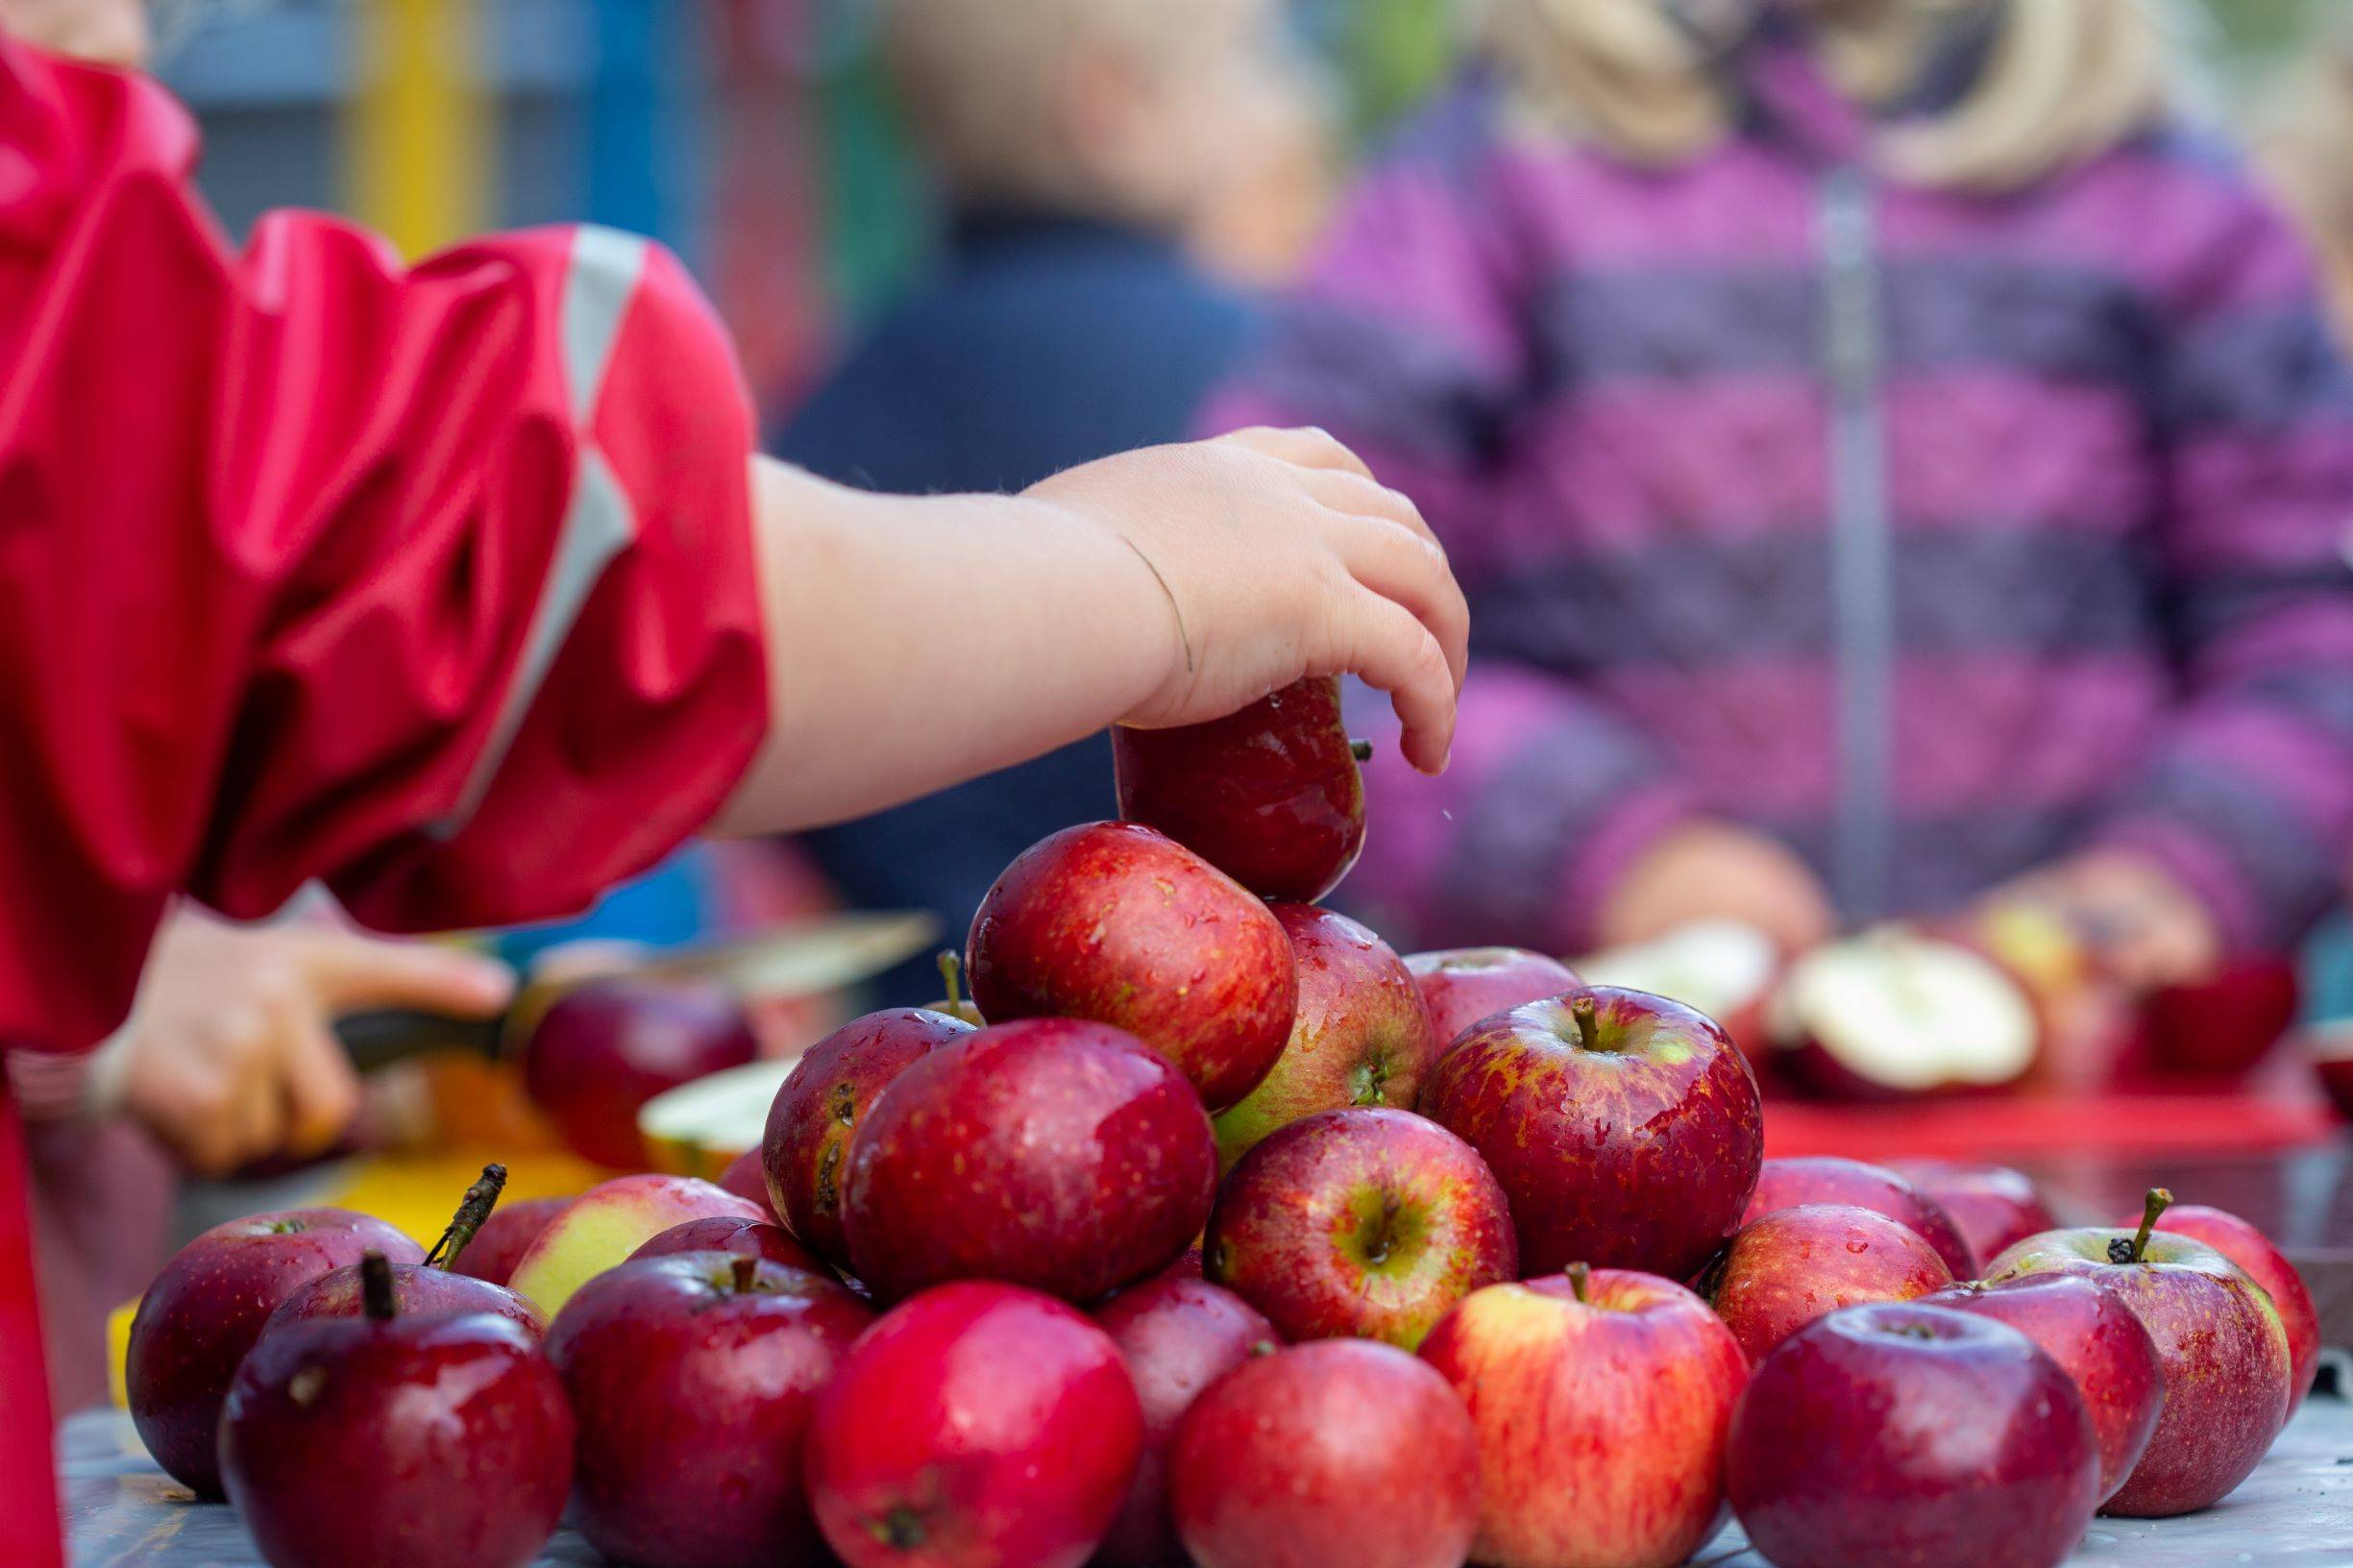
2066,80
982,81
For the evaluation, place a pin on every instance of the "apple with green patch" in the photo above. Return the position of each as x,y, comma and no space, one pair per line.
1359,1037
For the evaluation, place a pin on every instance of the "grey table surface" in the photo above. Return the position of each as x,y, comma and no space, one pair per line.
2298,1508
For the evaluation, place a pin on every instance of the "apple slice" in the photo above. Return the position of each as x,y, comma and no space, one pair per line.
1724,968
699,1129
1896,1012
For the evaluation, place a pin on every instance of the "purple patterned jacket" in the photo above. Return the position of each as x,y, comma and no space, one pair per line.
1937,534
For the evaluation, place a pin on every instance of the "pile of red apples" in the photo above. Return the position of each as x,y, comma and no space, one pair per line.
1230,1237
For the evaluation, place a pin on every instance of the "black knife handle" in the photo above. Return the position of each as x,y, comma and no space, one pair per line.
383,1037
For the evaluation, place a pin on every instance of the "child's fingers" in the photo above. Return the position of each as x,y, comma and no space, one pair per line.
358,971
1303,448
1360,497
1404,567
320,1091
1394,652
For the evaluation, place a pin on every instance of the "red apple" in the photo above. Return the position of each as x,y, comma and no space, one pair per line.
1784,1184
1333,1453
605,1047
1785,1270
1461,985
736,1236
1602,1403
506,1237
2253,1252
395,1441
1360,1036
1993,1207
1365,1223
1116,923
2219,1337
747,1177
1271,796
692,1376
1721,968
1054,1153
1896,1013
2096,1342
1179,1335
976,1425
2222,1026
1625,1128
805,1151
1911,1436
418,1290
207,1307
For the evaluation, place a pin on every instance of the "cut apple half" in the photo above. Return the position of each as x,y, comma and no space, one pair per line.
1724,968
699,1129
1896,1012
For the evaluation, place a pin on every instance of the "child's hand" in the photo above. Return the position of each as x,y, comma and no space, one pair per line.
1283,557
2146,930
230,1055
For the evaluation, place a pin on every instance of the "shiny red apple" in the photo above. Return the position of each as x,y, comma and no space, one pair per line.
388,1440
1271,796
1178,1334
693,1376
805,1152
1341,1452
1361,1035
1784,1184
1626,1129
418,1290
607,1047
1602,1403
207,1307
1055,1153
1365,1223
2096,1342
2253,1252
1463,985
976,1424
1912,1437
1793,1265
735,1235
1117,923
1994,1206
2217,1335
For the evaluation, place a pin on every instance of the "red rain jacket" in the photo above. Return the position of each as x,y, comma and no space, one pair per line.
432,584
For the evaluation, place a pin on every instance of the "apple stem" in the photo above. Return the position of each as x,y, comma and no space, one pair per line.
1579,1276
1362,750
1588,1015
2158,1201
951,975
376,1297
747,1270
472,1211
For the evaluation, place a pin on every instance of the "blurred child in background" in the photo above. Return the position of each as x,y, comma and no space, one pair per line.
1893,462
1087,153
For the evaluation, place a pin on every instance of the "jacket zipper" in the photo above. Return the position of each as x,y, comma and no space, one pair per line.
1862,575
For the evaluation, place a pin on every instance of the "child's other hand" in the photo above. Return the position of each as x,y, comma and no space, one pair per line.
230,1055
2144,929
1283,557
1714,870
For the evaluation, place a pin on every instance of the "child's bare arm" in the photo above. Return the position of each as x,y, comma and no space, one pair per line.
916,643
